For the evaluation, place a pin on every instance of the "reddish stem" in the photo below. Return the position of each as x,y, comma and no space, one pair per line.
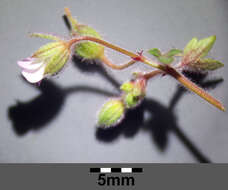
162,68
107,62
193,87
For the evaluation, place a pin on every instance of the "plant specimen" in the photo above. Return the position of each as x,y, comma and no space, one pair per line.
88,44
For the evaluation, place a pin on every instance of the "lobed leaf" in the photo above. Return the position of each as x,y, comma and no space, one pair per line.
165,59
208,64
155,52
195,49
173,52
190,46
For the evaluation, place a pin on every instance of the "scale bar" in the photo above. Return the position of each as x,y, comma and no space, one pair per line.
116,170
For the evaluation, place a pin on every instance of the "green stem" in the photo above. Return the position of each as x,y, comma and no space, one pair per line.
114,47
164,68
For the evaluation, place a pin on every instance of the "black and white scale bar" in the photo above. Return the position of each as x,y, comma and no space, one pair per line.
116,170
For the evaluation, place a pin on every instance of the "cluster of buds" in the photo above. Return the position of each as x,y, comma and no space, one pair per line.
51,58
113,111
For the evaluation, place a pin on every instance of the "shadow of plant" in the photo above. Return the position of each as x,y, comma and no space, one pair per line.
41,110
38,112
35,113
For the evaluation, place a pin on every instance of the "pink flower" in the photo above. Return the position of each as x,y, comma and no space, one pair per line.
32,69
47,61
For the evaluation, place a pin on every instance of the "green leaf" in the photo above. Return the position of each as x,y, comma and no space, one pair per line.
195,49
111,113
155,52
165,59
190,46
205,45
173,52
208,64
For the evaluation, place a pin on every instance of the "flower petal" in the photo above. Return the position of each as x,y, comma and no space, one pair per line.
35,76
30,65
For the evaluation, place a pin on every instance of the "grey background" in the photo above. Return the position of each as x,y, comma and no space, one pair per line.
56,123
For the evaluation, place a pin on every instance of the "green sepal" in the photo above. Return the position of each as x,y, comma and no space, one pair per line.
89,50
54,55
45,36
155,52
127,86
134,92
56,63
208,64
131,100
46,49
85,49
111,113
138,91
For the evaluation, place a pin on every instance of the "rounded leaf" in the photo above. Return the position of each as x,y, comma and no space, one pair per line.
155,52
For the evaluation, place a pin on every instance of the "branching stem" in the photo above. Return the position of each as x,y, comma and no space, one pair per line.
162,68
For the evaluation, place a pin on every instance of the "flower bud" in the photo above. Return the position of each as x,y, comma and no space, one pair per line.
134,92
47,61
111,113
86,50
89,50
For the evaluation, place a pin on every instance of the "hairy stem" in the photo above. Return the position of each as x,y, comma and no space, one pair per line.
114,47
107,62
152,74
194,88
162,68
